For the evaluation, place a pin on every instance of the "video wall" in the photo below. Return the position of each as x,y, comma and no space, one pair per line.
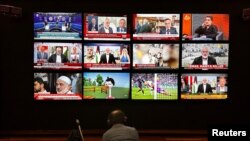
142,56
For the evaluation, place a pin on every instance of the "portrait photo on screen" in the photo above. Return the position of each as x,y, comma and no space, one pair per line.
106,85
204,86
205,27
155,56
205,56
106,27
154,86
60,26
57,56
156,26
57,86
107,56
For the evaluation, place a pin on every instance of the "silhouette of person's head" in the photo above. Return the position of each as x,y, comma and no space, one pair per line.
116,117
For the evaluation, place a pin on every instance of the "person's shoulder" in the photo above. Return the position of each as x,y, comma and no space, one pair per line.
211,58
173,27
102,28
105,135
130,128
162,29
197,58
213,25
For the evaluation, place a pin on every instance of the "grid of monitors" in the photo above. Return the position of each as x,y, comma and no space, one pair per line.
84,56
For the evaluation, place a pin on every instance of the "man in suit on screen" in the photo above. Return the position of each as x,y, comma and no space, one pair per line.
168,29
207,30
41,54
204,59
122,26
222,88
58,57
106,27
93,25
204,87
145,27
107,58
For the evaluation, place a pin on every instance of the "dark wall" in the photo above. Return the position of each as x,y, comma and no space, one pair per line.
19,111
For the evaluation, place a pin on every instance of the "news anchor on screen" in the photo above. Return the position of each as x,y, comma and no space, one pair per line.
207,29
221,88
93,25
58,57
124,58
122,26
168,29
107,58
204,59
106,27
204,87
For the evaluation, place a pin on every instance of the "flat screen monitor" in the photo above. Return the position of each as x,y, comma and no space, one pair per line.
57,26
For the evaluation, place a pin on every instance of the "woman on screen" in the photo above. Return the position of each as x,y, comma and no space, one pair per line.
124,58
184,86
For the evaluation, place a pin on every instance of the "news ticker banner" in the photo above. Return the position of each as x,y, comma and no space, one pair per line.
229,132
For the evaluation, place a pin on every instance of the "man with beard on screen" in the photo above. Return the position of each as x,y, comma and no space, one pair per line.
63,85
204,59
39,86
90,57
107,57
58,57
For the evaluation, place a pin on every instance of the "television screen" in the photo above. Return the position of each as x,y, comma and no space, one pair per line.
57,86
205,56
156,26
205,27
106,85
104,56
106,27
156,56
155,86
61,26
57,56
204,86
